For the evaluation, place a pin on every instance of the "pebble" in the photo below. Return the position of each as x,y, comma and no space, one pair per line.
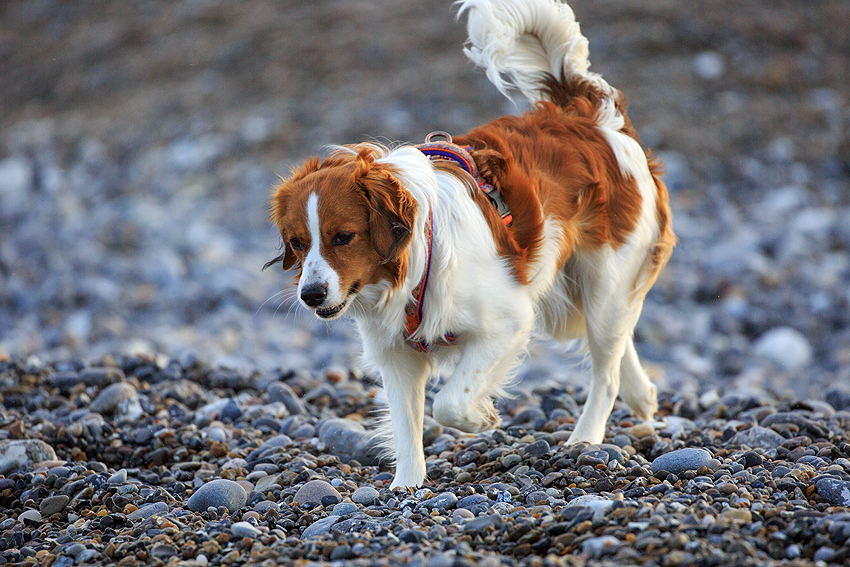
319,527
758,437
442,501
30,515
348,440
145,512
244,529
220,492
53,505
837,492
786,347
681,460
315,492
344,509
365,495
24,452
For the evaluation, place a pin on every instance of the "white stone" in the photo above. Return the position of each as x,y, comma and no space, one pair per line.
786,347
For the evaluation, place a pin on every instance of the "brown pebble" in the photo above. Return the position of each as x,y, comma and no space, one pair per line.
641,430
129,509
218,449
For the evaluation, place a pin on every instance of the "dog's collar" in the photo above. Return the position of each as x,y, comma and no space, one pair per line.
446,151
413,310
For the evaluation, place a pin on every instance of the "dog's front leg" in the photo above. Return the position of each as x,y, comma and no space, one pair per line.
466,400
404,377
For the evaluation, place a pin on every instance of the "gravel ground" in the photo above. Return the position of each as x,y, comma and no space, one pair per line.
138,144
147,461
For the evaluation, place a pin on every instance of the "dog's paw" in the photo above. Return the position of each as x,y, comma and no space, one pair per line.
477,417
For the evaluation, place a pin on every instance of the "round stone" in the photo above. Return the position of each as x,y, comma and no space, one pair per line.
365,495
219,492
837,492
23,452
111,396
441,501
344,509
53,505
31,515
681,460
314,491
244,529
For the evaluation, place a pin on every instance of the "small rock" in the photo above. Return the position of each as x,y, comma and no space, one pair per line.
31,515
482,522
155,509
786,347
681,460
163,551
641,430
314,491
283,393
24,452
365,495
758,436
442,501
319,527
348,440
219,492
53,505
244,529
344,509
601,545
837,492
120,477
538,449
108,399
598,505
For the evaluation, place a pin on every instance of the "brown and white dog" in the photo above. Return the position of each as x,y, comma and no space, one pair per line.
407,240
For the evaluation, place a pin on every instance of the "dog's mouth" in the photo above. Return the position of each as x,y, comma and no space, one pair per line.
336,310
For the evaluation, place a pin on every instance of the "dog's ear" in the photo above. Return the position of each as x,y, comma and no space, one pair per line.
277,210
393,209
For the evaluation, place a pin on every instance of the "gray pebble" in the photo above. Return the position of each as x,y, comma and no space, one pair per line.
23,452
348,439
31,515
319,527
344,509
681,460
219,492
155,509
120,477
758,437
283,393
538,449
442,501
313,491
244,529
837,492
601,545
108,400
365,495
53,505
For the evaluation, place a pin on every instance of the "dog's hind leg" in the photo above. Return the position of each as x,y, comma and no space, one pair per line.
611,312
635,388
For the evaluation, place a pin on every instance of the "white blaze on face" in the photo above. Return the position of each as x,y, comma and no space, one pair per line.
316,269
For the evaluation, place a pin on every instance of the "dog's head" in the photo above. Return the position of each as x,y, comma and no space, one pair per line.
346,223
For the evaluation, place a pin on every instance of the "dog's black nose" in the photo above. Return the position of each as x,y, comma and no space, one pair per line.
314,294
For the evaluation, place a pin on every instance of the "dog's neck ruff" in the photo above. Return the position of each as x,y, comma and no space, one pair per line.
446,151
414,310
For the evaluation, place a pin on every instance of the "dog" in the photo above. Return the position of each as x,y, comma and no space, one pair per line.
457,249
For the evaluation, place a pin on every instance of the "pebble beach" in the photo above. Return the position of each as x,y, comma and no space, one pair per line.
164,402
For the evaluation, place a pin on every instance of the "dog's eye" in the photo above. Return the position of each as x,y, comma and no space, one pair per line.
342,238
296,244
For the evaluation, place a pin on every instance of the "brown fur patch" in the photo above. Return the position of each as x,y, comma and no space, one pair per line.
355,196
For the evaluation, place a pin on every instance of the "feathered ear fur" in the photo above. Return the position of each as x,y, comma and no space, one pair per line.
393,209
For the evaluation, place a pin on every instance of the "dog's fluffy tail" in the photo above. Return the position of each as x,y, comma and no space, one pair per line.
519,42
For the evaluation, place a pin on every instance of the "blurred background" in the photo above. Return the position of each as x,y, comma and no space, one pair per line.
139,141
